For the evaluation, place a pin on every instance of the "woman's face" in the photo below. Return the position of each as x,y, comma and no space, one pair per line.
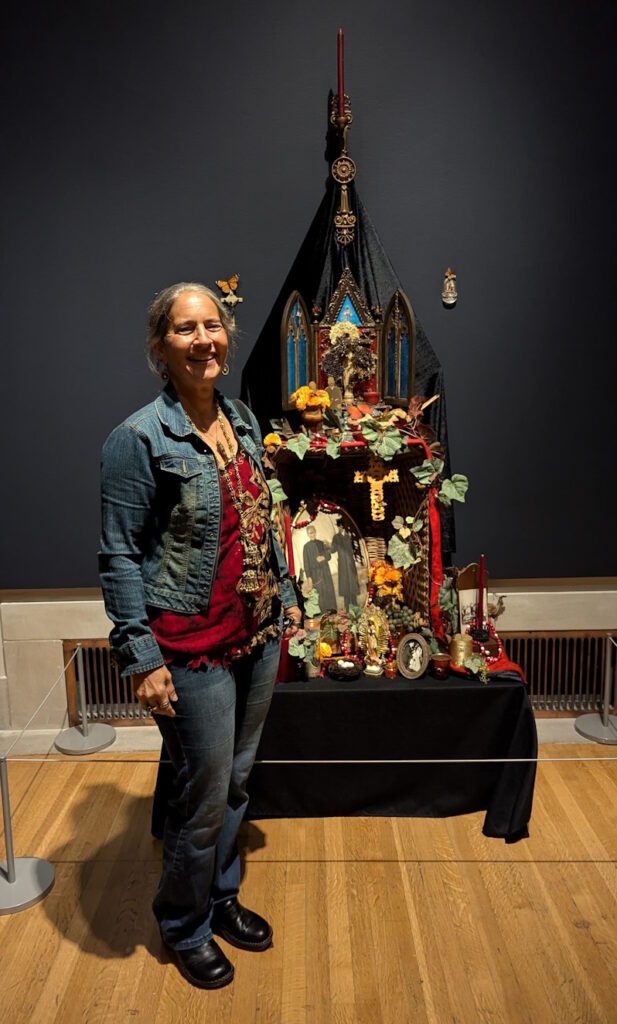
194,349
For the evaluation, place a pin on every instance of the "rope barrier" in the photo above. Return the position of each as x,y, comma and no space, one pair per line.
45,698
315,761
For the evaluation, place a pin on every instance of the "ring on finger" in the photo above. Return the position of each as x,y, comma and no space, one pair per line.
164,704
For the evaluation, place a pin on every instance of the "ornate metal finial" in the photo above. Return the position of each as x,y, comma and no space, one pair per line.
343,168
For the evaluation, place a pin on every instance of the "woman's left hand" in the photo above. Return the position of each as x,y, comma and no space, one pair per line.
295,615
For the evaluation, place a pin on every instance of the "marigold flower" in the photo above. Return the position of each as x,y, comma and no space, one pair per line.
272,439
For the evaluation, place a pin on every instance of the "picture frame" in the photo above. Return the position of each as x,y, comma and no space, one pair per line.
331,555
413,656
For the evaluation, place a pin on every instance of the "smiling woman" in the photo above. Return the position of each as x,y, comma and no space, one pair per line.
194,582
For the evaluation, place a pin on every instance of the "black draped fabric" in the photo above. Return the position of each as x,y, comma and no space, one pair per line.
384,720
315,273
441,722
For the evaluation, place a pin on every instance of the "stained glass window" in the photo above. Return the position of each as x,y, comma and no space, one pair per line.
296,350
398,360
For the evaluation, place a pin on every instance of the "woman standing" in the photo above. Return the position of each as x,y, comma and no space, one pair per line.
194,582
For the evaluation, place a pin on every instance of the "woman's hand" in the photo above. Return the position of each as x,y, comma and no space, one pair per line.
155,691
295,615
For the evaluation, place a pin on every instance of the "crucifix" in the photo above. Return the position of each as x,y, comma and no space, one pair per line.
376,476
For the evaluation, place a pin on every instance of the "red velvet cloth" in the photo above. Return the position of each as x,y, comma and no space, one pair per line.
224,631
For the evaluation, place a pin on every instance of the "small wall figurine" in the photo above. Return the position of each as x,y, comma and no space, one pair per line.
449,294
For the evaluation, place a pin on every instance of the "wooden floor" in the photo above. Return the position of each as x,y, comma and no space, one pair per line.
376,920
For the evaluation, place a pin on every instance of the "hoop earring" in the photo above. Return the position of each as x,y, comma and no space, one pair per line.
225,369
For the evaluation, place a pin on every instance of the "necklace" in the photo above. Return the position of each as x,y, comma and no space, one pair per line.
244,504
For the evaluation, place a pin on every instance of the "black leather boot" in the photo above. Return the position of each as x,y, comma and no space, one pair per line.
205,966
241,927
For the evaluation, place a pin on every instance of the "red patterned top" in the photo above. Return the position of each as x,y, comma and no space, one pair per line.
232,626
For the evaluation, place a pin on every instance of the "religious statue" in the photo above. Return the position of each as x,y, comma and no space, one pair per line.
449,293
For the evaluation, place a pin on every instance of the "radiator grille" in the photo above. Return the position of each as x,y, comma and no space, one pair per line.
564,669
109,697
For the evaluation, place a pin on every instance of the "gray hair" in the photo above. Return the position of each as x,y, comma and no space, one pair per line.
158,317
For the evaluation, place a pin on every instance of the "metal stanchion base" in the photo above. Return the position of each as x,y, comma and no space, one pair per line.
33,880
73,741
593,728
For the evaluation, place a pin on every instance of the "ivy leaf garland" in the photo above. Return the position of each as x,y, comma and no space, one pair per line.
402,546
454,489
276,490
299,445
383,440
333,447
428,471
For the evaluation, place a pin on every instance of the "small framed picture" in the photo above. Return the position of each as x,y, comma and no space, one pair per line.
413,656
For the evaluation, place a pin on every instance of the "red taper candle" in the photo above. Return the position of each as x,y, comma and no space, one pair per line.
341,75
480,611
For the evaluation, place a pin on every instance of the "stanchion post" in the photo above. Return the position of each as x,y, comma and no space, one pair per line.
601,728
6,817
84,738
607,680
81,689
24,881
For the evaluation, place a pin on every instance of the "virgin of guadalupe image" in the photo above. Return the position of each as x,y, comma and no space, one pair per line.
316,557
348,585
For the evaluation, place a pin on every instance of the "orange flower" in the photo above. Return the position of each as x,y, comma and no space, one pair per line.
272,439
325,651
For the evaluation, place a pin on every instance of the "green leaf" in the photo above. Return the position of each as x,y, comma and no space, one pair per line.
425,473
397,522
401,554
299,445
447,598
333,447
370,430
389,444
477,665
276,490
454,489
417,525
296,648
409,519
311,605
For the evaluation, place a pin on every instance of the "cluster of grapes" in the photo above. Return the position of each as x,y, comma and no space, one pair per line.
400,617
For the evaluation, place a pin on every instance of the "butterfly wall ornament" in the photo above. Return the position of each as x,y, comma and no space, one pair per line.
229,289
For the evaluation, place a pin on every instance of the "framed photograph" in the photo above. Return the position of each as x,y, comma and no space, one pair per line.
413,656
331,556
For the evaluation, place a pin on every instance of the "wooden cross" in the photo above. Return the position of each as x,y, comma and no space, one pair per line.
376,476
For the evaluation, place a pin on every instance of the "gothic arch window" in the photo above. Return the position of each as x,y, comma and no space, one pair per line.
295,347
399,351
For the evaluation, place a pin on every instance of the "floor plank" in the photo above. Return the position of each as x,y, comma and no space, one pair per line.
376,920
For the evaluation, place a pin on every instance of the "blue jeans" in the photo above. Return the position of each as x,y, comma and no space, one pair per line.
211,742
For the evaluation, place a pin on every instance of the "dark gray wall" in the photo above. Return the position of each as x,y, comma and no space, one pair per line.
148,143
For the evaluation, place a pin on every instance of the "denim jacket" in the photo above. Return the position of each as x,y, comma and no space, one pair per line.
161,523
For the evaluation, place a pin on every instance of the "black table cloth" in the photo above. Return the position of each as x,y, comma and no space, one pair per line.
398,719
